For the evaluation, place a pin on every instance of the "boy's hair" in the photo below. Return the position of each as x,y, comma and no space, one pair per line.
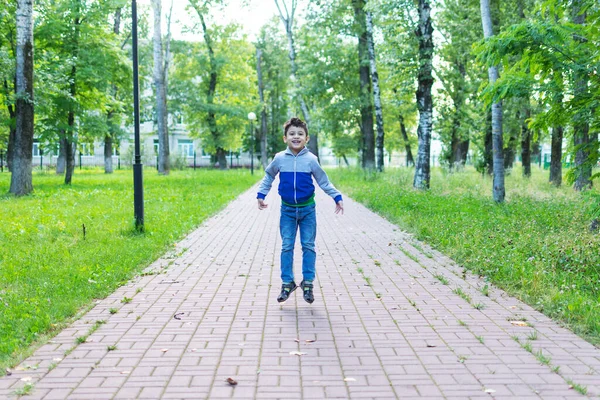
294,121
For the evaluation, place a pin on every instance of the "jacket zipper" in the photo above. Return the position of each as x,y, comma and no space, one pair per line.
295,200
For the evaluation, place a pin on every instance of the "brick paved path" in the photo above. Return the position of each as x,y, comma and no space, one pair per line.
388,322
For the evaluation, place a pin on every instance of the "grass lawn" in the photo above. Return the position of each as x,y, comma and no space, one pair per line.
49,271
536,246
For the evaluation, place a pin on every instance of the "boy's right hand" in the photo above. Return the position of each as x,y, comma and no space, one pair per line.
261,204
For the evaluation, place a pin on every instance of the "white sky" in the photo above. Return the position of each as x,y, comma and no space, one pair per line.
251,14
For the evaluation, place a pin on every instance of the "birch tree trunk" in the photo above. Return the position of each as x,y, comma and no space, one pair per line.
366,104
379,139
498,190
263,112
581,126
424,33
287,17
161,95
21,182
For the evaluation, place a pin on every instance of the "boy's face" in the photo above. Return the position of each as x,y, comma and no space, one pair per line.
296,138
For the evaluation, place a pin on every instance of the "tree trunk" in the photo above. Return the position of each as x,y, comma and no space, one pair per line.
581,127
366,104
509,152
498,190
526,142
410,161
108,139
61,161
288,23
70,132
108,146
488,159
424,99
556,156
161,94
12,128
263,112
379,140
21,182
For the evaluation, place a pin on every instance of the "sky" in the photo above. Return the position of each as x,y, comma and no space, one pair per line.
251,14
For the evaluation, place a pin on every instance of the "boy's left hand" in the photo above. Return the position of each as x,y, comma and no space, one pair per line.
339,207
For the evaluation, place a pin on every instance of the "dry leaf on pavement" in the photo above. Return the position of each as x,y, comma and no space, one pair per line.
231,381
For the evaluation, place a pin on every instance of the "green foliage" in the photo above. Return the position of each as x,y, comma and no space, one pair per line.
49,272
536,246
235,95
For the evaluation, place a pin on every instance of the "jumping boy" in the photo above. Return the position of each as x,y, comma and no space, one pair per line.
296,167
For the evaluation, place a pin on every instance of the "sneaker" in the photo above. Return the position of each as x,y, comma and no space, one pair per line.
307,289
286,290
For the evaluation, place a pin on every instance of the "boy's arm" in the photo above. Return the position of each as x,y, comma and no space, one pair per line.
325,184
266,183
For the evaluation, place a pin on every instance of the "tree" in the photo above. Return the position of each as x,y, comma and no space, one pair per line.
287,18
21,182
366,104
161,91
581,126
7,76
379,140
424,33
275,70
458,109
498,190
215,110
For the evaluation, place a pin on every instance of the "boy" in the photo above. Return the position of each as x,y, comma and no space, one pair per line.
296,167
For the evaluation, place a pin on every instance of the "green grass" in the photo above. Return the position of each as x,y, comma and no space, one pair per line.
49,273
536,245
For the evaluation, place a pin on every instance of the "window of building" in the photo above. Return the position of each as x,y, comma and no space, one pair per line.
36,148
156,146
86,149
186,147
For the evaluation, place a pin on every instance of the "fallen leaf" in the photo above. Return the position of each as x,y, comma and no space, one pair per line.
8,372
125,372
297,353
178,315
519,323
297,340
26,379
231,381
431,345
310,340
490,391
57,359
164,350
349,380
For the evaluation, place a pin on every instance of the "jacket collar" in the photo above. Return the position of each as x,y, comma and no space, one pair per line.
288,151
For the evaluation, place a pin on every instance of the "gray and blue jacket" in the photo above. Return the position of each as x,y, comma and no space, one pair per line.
295,178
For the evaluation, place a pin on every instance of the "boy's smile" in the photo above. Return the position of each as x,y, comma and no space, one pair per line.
296,139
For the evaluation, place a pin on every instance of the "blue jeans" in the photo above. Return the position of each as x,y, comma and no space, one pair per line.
290,220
